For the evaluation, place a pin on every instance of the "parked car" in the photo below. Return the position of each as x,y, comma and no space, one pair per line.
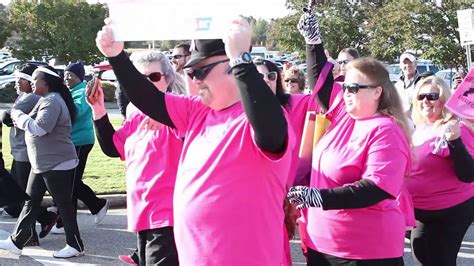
447,75
8,67
6,80
395,71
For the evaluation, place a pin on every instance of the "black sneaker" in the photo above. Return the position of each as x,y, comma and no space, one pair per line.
46,228
33,242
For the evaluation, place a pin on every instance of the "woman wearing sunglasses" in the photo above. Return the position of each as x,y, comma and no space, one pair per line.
294,80
151,152
353,216
441,178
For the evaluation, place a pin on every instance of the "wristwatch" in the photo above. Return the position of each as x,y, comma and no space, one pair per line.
244,58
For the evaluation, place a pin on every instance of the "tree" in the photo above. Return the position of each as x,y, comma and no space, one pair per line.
423,27
342,25
284,34
379,30
260,28
62,29
4,32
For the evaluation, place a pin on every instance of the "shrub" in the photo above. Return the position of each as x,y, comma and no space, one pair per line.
8,93
109,91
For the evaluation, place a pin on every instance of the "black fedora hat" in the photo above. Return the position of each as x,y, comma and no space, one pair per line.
202,49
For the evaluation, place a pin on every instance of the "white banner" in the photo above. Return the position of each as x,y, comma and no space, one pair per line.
140,20
466,26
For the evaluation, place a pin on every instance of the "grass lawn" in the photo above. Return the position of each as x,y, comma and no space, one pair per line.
103,174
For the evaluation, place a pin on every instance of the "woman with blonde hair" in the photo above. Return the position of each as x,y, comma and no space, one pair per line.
151,152
294,80
441,178
354,216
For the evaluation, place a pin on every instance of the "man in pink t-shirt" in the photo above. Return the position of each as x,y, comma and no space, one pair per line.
236,154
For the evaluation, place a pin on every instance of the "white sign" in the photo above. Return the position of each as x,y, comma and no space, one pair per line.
466,26
139,20
466,37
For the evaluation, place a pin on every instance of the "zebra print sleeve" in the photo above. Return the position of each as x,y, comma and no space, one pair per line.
305,197
308,26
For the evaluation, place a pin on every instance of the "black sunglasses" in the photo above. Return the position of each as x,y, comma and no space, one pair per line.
431,96
343,62
355,87
270,75
291,80
155,76
202,72
178,56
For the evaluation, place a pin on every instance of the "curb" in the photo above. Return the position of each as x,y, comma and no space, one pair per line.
116,201
108,105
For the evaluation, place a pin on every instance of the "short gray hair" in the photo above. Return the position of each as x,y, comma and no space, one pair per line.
147,57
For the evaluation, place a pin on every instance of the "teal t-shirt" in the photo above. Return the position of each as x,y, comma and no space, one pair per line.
82,127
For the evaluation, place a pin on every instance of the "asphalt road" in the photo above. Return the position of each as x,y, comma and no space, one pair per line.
103,243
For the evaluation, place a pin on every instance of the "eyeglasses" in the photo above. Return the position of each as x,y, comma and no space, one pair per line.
202,72
431,96
291,80
178,56
270,75
343,62
155,76
355,87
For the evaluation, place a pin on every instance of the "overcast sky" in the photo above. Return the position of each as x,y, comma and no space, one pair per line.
257,8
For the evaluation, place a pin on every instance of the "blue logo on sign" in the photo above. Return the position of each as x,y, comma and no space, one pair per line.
203,24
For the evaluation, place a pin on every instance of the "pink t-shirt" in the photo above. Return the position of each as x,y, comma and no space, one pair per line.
151,158
374,149
228,204
433,184
297,108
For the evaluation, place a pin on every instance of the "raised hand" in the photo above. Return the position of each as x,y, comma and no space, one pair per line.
96,100
308,26
305,197
238,39
105,41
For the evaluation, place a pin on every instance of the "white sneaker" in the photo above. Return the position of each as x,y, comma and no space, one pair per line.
67,252
57,230
52,209
7,244
101,214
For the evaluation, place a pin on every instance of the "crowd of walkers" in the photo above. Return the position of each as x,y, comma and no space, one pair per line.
212,142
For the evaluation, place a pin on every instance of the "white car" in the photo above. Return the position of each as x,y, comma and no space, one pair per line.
447,75
6,80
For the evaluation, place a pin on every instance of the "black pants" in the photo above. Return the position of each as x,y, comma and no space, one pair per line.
20,172
60,185
157,247
81,190
316,258
437,238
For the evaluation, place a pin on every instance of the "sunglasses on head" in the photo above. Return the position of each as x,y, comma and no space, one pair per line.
202,72
431,96
343,62
291,80
155,76
270,75
355,87
178,56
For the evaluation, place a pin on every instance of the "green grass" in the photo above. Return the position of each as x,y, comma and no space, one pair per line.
103,174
